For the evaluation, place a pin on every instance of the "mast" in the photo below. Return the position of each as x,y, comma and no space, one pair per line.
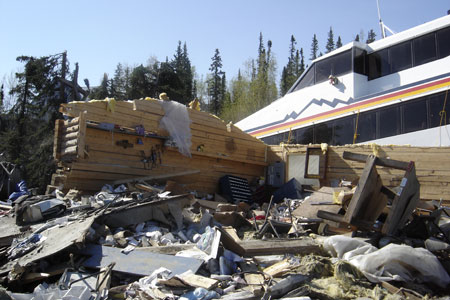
382,26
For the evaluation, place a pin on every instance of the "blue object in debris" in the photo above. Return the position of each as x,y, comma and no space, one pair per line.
20,190
291,190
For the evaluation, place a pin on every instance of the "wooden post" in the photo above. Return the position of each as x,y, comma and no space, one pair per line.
62,86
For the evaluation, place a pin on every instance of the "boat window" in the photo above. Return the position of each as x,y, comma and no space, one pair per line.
306,80
378,64
389,121
436,105
443,39
424,49
414,116
305,135
336,65
323,133
400,57
343,131
367,127
359,61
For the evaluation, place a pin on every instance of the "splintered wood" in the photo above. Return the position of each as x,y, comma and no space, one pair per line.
100,145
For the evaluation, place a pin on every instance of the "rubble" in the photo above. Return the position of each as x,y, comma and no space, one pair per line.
136,238
159,246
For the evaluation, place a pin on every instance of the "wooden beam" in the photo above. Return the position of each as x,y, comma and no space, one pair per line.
384,162
154,177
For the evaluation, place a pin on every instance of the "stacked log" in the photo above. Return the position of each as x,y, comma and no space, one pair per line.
93,156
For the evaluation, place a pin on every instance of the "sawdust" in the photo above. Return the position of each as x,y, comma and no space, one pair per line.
331,288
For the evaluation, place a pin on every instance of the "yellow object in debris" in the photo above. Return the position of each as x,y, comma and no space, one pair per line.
229,125
163,96
336,198
111,104
375,149
324,147
194,104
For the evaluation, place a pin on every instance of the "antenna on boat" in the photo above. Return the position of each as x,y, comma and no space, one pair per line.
383,27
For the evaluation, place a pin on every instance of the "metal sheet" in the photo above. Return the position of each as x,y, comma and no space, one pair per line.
137,262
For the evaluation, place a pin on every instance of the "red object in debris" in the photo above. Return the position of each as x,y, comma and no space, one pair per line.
259,218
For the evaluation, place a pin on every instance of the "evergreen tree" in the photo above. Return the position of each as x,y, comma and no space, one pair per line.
330,41
28,137
215,84
142,83
302,63
357,38
119,91
291,71
339,42
183,69
263,87
371,36
314,48
2,97
169,82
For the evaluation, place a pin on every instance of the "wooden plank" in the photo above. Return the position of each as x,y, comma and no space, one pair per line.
379,161
70,136
81,135
365,188
126,117
403,204
279,246
69,143
163,176
71,129
57,139
69,151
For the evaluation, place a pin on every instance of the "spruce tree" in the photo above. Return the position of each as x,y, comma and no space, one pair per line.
314,48
291,70
2,97
142,83
330,41
182,68
28,138
119,83
357,38
215,84
371,36
339,42
302,63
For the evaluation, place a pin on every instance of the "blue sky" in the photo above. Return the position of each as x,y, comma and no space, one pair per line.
100,34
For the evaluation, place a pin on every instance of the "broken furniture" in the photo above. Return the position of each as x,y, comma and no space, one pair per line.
371,197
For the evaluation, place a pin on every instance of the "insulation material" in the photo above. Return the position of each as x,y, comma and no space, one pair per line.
392,262
177,122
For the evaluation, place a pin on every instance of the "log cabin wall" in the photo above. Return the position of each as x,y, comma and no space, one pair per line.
432,165
94,156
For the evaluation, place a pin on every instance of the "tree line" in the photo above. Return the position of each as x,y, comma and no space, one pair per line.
26,127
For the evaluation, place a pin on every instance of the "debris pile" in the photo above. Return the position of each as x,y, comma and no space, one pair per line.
115,224
145,242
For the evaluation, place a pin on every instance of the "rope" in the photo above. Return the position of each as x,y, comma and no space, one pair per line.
443,115
355,136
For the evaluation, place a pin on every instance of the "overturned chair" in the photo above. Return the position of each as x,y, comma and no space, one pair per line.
371,197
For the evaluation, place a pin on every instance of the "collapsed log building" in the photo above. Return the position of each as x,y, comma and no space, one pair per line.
102,144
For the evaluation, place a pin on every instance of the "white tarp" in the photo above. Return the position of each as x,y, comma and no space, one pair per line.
392,262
